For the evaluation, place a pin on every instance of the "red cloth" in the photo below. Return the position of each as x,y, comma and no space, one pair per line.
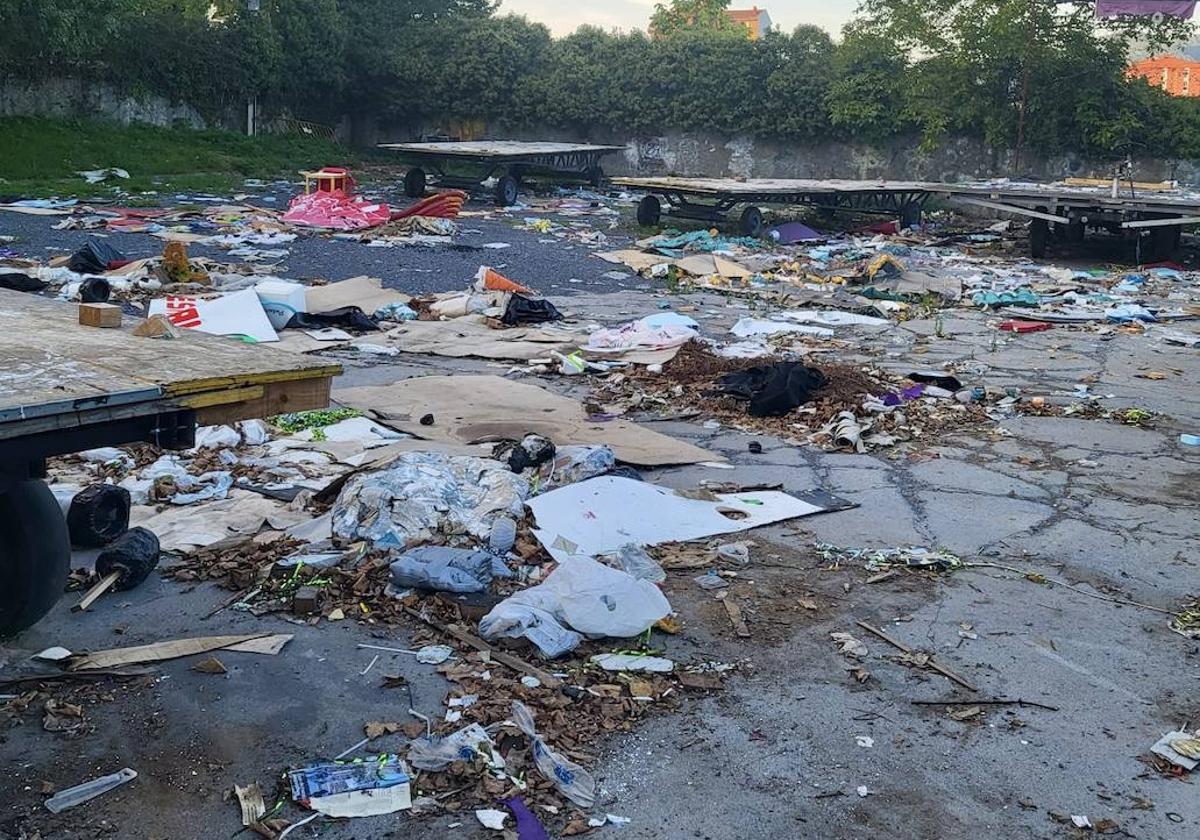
335,210
443,205
1025,326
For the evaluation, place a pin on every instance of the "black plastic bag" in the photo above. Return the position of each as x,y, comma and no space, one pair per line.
94,258
938,380
530,451
348,318
18,282
98,515
522,310
773,390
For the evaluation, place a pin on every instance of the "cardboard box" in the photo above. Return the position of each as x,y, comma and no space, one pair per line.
105,315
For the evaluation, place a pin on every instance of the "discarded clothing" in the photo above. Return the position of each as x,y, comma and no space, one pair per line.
447,569
425,497
773,390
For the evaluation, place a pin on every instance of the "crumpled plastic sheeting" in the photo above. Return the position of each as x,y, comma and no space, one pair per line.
572,464
428,497
639,335
581,594
335,210
448,569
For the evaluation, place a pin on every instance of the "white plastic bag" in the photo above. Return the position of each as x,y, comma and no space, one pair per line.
436,753
585,596
572,781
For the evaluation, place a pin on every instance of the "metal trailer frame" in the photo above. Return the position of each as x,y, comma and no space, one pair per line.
512,161
905,200
1155,224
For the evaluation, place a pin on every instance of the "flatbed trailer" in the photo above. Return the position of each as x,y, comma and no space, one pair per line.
509,161
1152,221
65,388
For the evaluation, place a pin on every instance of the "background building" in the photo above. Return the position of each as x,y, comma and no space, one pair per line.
1175,74
756,20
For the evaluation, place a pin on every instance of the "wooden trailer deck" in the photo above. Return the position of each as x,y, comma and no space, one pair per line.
66,387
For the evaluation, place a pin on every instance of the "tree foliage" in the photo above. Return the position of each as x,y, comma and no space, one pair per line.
688,16
1041,74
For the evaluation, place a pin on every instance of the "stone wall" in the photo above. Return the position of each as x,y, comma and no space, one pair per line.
75,98
716,155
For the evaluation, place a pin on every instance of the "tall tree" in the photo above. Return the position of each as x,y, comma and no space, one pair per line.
682,16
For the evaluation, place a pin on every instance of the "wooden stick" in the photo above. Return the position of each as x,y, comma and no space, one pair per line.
106,583
735,618
518,665
998,702
934,664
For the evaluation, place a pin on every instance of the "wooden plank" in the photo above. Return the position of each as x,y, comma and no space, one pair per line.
277,398
1146,186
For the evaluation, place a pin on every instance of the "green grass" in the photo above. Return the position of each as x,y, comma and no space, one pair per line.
39,158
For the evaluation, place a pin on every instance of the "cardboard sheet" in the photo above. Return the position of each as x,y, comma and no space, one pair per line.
263,643
699,265
185,528
602,514
237,313
470,337
367,293
467,409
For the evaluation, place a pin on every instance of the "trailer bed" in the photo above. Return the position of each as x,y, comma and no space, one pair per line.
65,387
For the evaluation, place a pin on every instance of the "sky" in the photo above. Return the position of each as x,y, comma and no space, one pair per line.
563,17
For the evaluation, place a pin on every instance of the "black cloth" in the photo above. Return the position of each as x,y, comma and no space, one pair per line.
348,318
773,390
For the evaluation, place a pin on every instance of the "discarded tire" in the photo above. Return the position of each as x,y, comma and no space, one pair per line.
95,290
98,515
134,555
35,554
415,183
649,211
752,222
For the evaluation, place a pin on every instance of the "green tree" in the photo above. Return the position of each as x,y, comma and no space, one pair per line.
693,16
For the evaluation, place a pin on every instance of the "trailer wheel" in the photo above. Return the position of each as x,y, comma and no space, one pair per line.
595,176
507,189
35,554
415,183
1039,233
910,216
752,222
1163,242
649,211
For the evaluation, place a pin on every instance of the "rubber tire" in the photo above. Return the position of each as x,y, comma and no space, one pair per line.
1163,242
1039,234
752,222
910,216
35,554
135,555
415,183
649,211
507,190
595,176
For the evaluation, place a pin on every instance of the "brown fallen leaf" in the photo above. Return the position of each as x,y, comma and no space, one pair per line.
48,788
809,605
966,714
641,688
1105,826
1151,374
860,675
376,728
211,665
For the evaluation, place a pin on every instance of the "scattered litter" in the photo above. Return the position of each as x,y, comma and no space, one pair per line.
79,794
362,788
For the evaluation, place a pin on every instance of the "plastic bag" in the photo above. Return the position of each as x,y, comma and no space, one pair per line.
522,310
572,781
94,258
437,752
572,464
634,560
424,497
580,596
448,569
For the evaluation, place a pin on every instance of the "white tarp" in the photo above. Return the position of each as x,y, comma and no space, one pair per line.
600,515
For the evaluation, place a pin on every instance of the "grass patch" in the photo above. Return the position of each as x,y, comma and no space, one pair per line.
39,158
